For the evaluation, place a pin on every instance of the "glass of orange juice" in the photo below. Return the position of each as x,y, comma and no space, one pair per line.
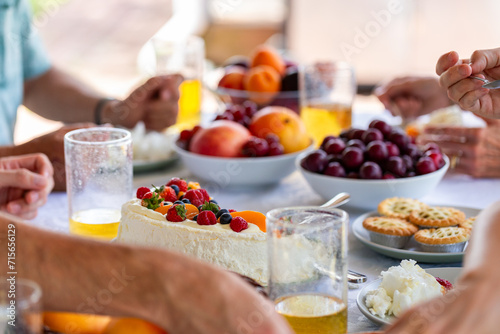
307,254
98,179
183,56
327,91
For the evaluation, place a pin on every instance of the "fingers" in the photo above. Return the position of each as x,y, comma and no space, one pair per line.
22,209
454,74
408,108
485,59
23,178
161,114
446,61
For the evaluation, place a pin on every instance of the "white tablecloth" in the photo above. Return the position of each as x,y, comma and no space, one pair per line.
457,190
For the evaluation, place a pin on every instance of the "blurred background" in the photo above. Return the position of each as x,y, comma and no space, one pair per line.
100,42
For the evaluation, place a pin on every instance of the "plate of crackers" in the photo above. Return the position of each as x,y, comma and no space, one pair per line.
405,228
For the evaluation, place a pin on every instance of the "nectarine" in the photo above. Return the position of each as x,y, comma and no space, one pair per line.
262,83
284,123
266,55
222,139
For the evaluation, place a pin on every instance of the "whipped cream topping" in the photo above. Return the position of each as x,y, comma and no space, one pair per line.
135,206
402,287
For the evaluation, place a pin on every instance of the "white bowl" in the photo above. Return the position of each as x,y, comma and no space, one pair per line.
367,194
240,171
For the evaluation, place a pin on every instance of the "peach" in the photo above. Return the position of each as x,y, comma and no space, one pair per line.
253,217
74,323
222,139
266,55
262,83
132,326
233,78
284,123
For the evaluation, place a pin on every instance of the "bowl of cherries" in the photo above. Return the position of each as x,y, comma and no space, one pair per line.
372,165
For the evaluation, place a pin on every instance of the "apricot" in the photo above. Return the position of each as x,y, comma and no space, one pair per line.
163,208
262,83
233,78
191,210
266,55
132,326
253,217
285,124
75,323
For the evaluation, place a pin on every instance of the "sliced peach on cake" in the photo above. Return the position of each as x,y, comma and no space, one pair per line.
163,208
191,210
253,217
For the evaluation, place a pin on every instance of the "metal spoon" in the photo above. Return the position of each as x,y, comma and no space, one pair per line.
337,200
488,84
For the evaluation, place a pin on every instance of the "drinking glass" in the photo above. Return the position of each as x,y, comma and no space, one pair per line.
20,300
185,57
307,249
98,179
327,91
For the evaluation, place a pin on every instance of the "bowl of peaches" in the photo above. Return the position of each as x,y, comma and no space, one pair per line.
265,78
373,164
245,146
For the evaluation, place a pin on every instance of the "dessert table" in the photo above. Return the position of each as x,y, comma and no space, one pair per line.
457,190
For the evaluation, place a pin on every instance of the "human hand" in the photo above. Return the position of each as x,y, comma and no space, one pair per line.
155,103
475,151
52,145
25,182
410,97
468,93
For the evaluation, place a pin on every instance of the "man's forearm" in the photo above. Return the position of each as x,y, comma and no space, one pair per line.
87,276
7,151
56,95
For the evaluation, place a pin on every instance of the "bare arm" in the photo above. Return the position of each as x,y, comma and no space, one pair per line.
58,96
180,294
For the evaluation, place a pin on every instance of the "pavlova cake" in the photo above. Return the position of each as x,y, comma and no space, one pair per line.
180,216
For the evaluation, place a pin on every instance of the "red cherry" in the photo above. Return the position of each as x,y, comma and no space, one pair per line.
334,146
315,161
275,149
186,135
425,165
382,126
334,169
255,147
376,151
370,170
371,135
352,157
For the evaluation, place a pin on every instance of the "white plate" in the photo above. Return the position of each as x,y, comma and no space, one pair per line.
450,274
411,251
144,166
